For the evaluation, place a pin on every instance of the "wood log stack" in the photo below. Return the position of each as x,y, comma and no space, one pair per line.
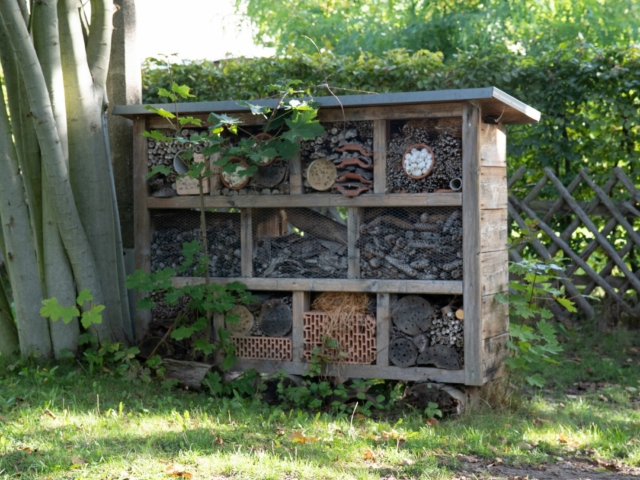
425,331
349,145
223,237
411,243
443,136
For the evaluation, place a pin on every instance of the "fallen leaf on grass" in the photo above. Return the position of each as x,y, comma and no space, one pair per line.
562,438
432,422
27,450
49,413
608,465
297,437
77,461
177,472
524,445
392,435
368,454
219,440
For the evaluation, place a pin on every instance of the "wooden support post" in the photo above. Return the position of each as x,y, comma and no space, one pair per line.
381,137
383,319
296,182
353,229
300,305
472,274
246,243
141,218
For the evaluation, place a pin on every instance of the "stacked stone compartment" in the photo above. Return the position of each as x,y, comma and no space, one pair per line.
299,243
170,229
443,136
411,243
340,136
426,331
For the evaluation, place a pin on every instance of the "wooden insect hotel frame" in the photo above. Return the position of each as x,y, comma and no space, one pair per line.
381,228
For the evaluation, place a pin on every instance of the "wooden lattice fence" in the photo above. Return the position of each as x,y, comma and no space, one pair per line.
596,238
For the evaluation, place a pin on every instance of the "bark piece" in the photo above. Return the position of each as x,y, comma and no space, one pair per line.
412,314
269,177
441,356
189,374
403,352
321,174
243,326
276,319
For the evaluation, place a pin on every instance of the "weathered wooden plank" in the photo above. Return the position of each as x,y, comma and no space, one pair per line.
493,145
141,217
383,320
296,182
332,285
569,252
344,371
495,271
581,302
495,317
471,244
493,230
428,110
247,119
445,199
493,188
495,352
353,252
300,304
381,137
246,243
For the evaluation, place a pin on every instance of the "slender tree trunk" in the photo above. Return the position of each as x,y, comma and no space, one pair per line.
20,247
57,270
89,163
70,226
8,332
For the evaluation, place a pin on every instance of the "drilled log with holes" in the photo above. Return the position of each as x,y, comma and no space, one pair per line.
349,145
443,136
411,243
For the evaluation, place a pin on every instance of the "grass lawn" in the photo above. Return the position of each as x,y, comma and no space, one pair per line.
585,424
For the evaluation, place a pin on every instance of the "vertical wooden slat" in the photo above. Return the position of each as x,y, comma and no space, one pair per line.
246,243
381,134
141,217
300,305
472,288
353,231
383,314
296,182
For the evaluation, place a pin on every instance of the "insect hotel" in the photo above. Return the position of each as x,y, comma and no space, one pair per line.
379,248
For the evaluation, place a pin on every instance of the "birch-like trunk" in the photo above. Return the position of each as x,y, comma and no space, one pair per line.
20,246
70,226
8,332
58,276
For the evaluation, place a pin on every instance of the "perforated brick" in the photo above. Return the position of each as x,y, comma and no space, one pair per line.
355,336
263,348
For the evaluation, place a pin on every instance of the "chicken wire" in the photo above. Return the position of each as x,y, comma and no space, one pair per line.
171,228
443,136
343,141
299,243
411,243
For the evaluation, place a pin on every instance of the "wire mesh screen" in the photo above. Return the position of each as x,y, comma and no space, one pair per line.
427,330
299,243
443,136
172,228
411,243
349,147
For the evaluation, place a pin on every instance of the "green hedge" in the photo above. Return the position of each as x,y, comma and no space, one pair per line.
588,98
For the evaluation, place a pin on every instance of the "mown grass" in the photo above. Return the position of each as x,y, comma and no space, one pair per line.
115,428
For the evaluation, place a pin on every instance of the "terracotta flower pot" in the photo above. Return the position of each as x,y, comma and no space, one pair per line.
418,146
226,182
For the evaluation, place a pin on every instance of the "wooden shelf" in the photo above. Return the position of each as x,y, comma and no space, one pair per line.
424,287
445,199
345,370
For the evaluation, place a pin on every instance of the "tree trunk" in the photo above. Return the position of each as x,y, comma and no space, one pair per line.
33,330
58,276
8,333
73,235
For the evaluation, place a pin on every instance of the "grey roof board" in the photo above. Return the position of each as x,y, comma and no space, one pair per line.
494,101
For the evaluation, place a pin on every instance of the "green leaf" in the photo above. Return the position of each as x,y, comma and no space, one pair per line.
84,296
161,169
228,362
54,311
536,380
160,111
566,303
182,90
145,304
92,316
255,109
193,121
163,92
157,135
204,346
303,126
